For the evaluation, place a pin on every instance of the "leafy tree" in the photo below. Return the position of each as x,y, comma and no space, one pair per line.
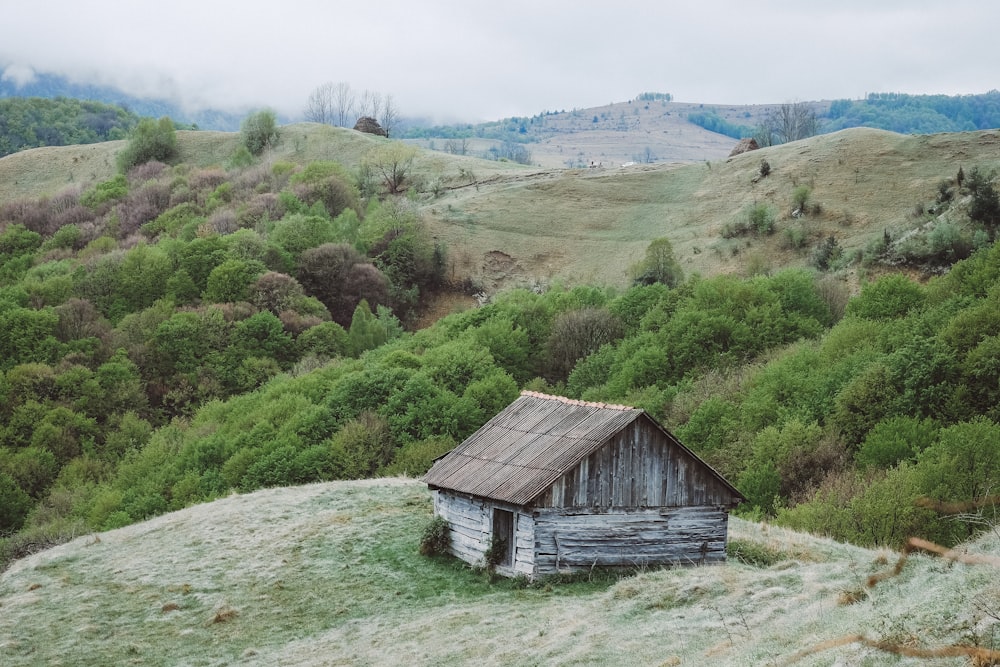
578,333
658,266
392,162
299,232
865,401
27,335
340,277
325,340
890,296
232,281
896,439
327,182
985,204
275,292
261,335
14,505
182,343
150,140
362,446
259,131
17,240
365,333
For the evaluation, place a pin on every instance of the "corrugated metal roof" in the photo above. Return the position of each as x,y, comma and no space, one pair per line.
526,447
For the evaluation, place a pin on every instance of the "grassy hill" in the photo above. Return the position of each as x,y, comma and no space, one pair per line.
329,574
506,224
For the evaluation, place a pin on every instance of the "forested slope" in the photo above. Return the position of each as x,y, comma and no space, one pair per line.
177,332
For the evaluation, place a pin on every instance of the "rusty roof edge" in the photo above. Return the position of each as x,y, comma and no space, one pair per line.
573,401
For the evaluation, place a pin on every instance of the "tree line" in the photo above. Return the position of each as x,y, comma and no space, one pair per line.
33,122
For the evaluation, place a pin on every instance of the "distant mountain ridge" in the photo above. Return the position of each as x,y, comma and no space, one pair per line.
53,85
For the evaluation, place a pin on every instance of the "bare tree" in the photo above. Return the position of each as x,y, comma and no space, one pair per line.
457,146
319,107
369,104
389,115
337,104
343,104
789,122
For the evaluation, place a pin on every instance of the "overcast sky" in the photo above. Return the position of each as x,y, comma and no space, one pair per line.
469,60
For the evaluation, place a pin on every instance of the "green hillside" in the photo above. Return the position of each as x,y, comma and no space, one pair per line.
823,330
329,574
818,320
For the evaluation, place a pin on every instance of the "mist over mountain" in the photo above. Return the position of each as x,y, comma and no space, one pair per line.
30,84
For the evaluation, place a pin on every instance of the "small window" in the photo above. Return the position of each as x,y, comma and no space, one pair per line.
503,537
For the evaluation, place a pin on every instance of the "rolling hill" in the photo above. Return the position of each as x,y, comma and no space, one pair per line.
328,574
506,224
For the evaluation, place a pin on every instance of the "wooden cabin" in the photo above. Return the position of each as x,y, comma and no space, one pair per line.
554,485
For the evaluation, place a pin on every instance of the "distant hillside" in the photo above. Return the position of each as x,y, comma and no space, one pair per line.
507,224
916,114
53,85
33,122
329,574
660,130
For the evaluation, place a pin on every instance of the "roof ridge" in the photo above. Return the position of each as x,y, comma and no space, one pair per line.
573,401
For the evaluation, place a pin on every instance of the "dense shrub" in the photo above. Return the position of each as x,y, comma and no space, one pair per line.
149,140
436,538
259,131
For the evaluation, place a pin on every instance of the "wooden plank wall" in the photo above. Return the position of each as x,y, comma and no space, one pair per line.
575,540
638,467
471,521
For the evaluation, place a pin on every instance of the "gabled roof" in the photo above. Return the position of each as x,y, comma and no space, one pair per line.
525,448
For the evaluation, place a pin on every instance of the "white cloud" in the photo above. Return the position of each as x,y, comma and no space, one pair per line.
20,74
483,61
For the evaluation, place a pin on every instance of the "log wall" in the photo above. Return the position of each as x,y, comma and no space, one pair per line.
471,521
577,540
638,468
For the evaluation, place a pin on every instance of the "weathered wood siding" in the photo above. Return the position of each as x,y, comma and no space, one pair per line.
574,540
471,521
638,467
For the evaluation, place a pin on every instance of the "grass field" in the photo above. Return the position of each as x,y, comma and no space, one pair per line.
505,224
329,574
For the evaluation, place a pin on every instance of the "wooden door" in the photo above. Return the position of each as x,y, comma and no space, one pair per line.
503,535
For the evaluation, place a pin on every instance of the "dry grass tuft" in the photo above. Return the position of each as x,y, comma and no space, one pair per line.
223,615
851,596
170,606
918,544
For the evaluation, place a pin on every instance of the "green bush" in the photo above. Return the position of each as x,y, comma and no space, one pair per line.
111,190
436,538
14,505
896,439
754,553
800,198
150,140
259,131
889,297
760,219
658,266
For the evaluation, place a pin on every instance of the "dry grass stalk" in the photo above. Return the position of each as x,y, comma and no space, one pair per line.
958,507
918,544
981,657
